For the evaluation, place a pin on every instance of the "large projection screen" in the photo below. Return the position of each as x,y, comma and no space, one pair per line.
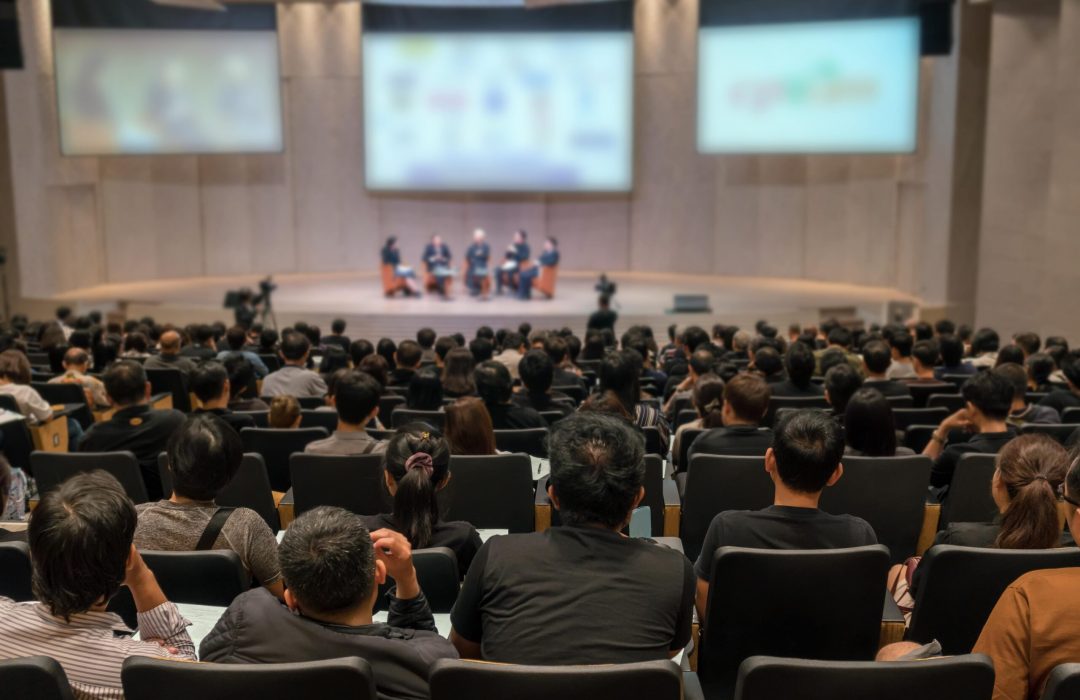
523,111
158,91
838,86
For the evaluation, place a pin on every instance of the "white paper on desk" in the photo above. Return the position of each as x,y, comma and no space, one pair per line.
7,416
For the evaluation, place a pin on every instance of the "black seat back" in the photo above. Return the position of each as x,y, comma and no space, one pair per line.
261,418
969,677
1059,431
1071,415
310,418
404,416
921,391
51,469
778,402
887,492
438,576
905,417
916,437
654,492
67,394
490,491
147,678
354,483
272,362
654,442
687,439
970,499
387,404
808,604
275,445
34,678
170,381
574,391
1063,683
717,483
655,680
949,608
950,402
530,441
15,572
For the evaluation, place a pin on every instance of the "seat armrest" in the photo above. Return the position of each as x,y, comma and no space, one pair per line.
541,506
51,435
672,508
692,687
287,509
931,518
892,622
161,401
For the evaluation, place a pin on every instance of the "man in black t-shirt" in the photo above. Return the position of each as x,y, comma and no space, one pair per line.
804,459
603,317
580,593
537,373
496,388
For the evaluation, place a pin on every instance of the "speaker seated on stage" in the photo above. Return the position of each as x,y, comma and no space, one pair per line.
517,254
477,256
542,274
620,373
294,378
437,262
495,387
746,400
396,277
407,359
537,372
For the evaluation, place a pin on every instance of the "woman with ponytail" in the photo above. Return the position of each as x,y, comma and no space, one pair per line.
417,468
1030,470
708,398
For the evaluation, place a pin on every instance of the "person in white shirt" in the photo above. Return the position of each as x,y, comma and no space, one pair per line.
15,382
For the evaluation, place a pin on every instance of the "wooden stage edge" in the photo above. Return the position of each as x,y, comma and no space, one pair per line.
642,297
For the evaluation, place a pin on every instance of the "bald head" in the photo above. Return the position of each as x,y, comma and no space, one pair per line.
76,359
170,343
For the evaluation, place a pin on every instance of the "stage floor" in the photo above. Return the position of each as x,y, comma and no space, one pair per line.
357,297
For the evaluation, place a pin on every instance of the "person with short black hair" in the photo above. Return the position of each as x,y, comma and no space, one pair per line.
294,378
768,363
495,388
135,426
537,373
337,335
425,338
952,357
988,397
358,350
1021,412
900,344
235,344
210,384
333,567
407,358
799,363
869,427
513,349
81,552
924,357
1028,342
443,346
699,363
202,346
356,399
548,258
877,358
425,392
841,383
417,469
746,400
838,340
804,459
516,254
581,593
204,455
604,316
984,348
1040,367
1069,396
482,349
243,387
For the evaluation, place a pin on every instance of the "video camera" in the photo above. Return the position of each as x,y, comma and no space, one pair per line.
238,297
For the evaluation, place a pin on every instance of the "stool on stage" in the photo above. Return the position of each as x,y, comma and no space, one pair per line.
545,283
391,285
431,284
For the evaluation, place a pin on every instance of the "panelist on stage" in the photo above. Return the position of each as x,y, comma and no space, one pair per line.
391,255
548,258
516,253
476,259
437,261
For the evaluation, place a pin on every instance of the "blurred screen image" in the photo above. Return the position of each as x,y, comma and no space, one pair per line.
132,92
846,86
529,111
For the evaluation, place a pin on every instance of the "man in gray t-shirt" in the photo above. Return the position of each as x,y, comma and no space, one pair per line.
204,455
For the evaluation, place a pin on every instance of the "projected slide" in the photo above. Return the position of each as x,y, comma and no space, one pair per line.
819,87
131,91
525,111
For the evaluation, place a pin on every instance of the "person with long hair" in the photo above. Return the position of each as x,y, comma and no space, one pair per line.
870,430
1030,470
457,374
468,428
417,465
708,399
425,391
620,372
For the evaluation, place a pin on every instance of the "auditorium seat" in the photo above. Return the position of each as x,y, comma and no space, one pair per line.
310,418
552,417
354,483
261,418
916,437
896,402
275,445
453,679
272,362
172,382
887,492
921,391
717,483
490,491
784,411
1059,431
50,469
34,678
387,404
147,678
684,416
969,498
1071,415
249,488
810,604
957,380
654,442
438,576
1063,683
906,417
404,416
20,437
968,677
530,441
950,402
688,437
545,282
67,395
15,572
778,402
574,391
961,585
391,285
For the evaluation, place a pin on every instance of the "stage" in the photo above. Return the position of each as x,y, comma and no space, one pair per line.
357,297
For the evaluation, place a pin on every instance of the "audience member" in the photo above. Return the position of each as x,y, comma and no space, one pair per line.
13,492
537,372
746,400
333,567
1021,412
407,359
804,459
901,367
235,342
838,340
386,349
876,360
799,362
952,354
443,346
337,335
604,316
375,367
869,427
1032,629
356,399
204,455
425,338
457,374
15,382
1039,368
294,378
1068,397
984,348
417,468
358,350
135,426
495,387
202,347
768,363
243,387
581,593
468,428
210,384
987,401
709,405
1028,342
284,412
512,352
1009,354
80,544
76,368
136,346
620,373
425,391
924,357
